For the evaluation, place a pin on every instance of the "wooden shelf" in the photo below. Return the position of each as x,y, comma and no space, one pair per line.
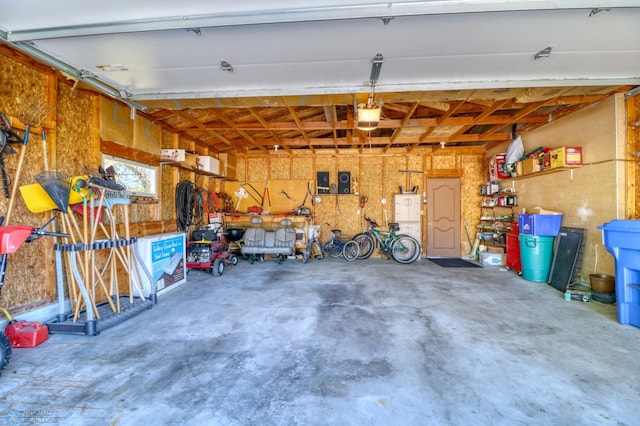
546,172
186,166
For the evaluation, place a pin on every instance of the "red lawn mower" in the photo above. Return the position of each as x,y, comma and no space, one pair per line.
209,252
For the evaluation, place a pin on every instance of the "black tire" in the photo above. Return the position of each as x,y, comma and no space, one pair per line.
218,267
366,244
233,259
333,248
351,250
405,249
5,350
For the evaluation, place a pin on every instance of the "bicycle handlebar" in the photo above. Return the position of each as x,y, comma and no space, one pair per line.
372,222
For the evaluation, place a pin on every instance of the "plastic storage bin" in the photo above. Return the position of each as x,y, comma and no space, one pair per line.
536,255
622,240
492,259
547,225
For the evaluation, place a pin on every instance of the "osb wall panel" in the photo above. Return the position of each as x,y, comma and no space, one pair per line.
372,184
302,168
393,177
444,161
589,198
29,277
77,145
20,86
415,163
258,169
280,167
168,181
470,197
241,169
336,211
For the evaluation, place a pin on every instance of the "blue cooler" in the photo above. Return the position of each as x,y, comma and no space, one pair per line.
622,240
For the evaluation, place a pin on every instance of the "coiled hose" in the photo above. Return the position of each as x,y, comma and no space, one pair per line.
185,201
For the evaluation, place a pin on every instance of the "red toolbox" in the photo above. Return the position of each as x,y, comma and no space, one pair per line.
26,334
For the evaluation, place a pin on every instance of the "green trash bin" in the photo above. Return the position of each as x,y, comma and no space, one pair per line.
536,255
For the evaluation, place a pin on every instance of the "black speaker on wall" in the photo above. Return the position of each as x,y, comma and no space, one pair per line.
344,182
323,182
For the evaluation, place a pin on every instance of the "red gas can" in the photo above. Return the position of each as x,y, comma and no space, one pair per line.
26,334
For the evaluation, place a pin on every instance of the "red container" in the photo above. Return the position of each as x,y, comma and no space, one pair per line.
515,228
26,334
513,252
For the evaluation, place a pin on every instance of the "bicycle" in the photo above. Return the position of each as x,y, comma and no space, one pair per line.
400,247
335,247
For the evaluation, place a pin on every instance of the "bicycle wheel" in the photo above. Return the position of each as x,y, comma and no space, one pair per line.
366,244
405,249
333,247
351,250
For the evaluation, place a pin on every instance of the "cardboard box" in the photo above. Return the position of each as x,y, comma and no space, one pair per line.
530,166
208,164
566,156
546,161
173,154
496,167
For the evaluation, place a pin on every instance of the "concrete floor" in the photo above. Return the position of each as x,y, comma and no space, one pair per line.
335,343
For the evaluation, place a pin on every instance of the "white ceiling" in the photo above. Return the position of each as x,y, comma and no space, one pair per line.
319,47
462,72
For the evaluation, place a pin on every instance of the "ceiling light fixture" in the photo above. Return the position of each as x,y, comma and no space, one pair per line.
368,116
369,113
225,66
544,53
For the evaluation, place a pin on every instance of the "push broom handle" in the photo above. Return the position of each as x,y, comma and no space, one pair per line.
16,180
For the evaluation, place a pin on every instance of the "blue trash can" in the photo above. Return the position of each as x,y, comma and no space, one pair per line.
622,239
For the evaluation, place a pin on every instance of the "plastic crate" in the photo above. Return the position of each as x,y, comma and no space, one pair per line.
546,225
